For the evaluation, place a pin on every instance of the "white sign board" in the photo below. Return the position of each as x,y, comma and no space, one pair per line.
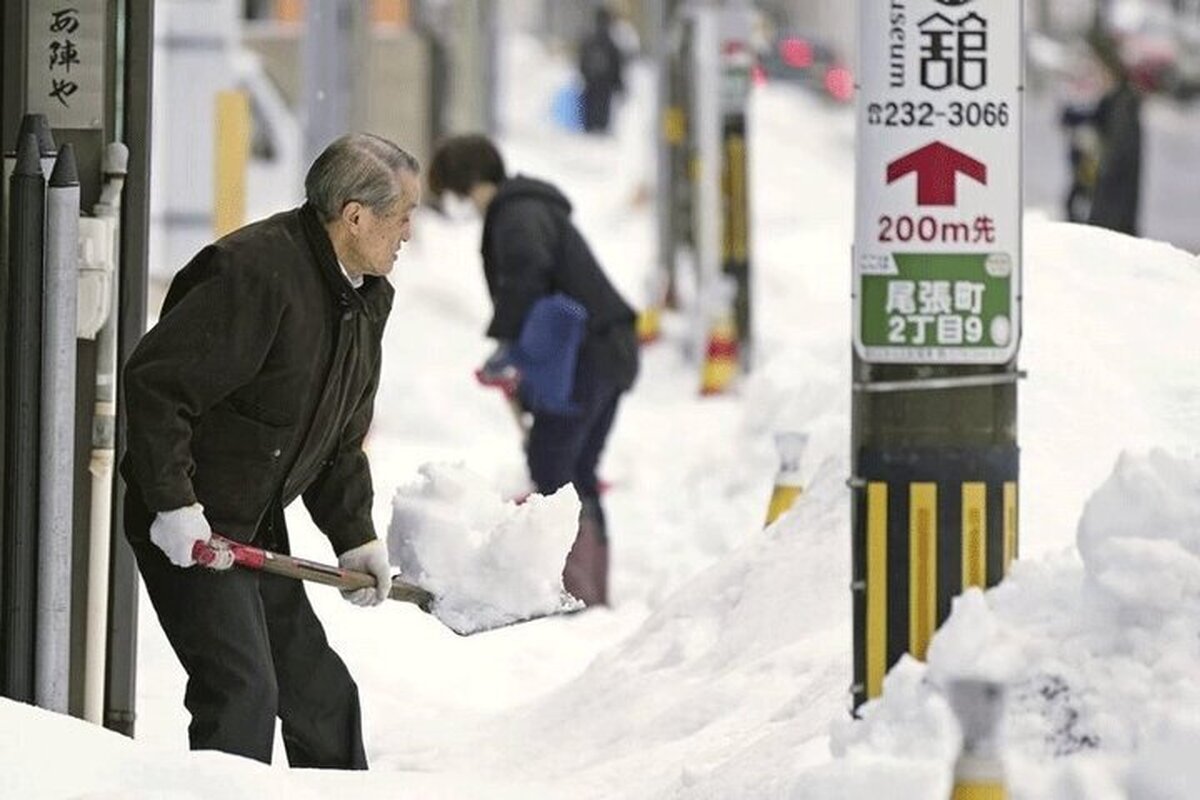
937,244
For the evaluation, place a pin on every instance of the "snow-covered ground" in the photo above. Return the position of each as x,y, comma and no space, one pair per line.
722,669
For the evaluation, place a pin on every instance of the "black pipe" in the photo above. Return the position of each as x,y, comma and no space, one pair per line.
121,672
39,126
23,359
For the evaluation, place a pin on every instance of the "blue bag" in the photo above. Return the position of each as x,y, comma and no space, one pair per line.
566,107
547,352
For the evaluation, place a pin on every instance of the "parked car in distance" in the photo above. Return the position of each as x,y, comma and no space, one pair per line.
1160,49
806,61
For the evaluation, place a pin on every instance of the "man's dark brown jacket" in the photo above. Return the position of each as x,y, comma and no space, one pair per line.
258,383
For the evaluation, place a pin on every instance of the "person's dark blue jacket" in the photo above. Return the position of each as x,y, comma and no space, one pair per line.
531,249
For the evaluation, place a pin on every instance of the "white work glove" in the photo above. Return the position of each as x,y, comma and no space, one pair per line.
372,559
176,532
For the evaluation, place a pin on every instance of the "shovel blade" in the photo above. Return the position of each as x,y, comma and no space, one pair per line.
469,625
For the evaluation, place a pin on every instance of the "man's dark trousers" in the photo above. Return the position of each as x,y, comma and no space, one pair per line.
253,650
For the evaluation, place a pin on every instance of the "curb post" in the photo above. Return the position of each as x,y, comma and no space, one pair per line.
788,483
978,770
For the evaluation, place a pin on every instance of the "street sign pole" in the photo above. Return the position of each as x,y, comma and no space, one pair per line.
937,293
737,20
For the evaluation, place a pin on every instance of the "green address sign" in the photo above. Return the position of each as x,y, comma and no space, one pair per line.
951,307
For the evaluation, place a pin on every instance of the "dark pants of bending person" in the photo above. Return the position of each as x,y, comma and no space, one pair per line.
566,449
253,650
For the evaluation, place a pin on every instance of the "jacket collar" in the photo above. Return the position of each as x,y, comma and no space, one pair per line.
375,296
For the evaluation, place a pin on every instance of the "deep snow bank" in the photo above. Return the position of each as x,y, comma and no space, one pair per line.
1100,654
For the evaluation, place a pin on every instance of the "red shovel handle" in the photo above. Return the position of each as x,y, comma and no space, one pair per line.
205,553
255,558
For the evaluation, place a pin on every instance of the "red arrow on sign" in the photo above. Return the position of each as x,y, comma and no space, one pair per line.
936,165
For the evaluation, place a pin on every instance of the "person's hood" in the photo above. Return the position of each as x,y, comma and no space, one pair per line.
520,187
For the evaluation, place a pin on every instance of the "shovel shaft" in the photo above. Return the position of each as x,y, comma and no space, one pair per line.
255,558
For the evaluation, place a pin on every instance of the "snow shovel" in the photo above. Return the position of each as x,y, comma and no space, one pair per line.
255,558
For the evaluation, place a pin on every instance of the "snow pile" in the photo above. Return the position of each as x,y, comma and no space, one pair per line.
1140,540
1110,346
487,562
1100,656
54,756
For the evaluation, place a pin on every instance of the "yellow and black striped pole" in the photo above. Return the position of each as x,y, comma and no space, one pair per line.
929,523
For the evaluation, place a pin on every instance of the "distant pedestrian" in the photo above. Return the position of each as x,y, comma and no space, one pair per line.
1118,122
601,65
1083,154
536,263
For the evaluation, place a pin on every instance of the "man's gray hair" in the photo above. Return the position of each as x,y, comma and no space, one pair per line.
357,166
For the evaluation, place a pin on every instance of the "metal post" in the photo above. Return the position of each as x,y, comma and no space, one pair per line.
658,281
39,126
736,61
23,359
491,67
679,130
13,31
706,118
713,328
52,662
332,53
937,303
101,462
121,667
472,67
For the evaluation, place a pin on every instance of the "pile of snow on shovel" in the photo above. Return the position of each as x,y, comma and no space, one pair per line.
487,561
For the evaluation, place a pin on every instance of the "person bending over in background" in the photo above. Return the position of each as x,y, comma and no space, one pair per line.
533,252
257,387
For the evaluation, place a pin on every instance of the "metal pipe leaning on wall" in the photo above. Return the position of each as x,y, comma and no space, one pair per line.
39,126
23,370
57,475
104,423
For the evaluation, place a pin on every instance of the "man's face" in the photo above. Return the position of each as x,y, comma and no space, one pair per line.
377,237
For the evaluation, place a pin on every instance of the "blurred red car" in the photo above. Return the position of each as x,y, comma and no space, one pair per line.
802,60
